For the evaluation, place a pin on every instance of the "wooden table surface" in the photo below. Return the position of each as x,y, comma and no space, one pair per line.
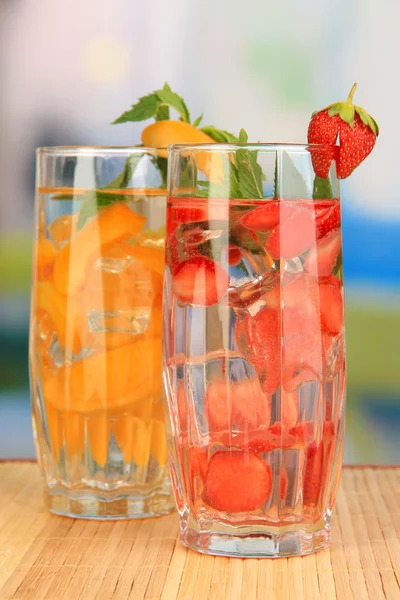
48,557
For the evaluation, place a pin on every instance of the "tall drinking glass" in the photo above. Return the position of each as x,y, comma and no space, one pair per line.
95,339
253,351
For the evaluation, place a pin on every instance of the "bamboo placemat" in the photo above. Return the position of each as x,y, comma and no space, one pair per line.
48,557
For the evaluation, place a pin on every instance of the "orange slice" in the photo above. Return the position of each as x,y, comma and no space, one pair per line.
73,263
151,258
116,378
164,133
62,228
66,314
45,253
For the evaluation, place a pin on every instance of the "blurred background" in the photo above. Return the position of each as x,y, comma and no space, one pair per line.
68,68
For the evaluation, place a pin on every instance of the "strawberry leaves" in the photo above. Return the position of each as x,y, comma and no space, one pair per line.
347,110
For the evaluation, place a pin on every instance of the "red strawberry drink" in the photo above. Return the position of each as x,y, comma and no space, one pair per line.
254,365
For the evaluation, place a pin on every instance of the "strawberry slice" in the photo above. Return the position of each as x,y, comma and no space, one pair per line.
199,281
260,441
237,482
302,354
234,255
258,339
302,432
330,280
241,404
273,297
300,294
293,236
331,308
327,219
329,430
218,405
189,210
313,473
321,259
266,217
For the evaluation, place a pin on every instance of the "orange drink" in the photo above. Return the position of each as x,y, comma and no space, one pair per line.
95,343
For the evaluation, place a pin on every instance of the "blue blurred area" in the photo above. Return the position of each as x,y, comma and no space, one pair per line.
371,248
64,78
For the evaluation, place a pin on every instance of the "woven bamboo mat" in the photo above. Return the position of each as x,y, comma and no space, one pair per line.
48,557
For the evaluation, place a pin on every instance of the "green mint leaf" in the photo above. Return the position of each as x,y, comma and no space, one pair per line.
123,179
276,182
197,121
220,135
243,137
162,113
92,200
171,99
162,165
202,193
244,178
235,187
250,175
229,188
322,189
144,109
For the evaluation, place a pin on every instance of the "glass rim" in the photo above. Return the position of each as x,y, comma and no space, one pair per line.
96,150
259,146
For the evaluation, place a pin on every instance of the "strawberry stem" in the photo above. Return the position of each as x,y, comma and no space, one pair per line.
350,96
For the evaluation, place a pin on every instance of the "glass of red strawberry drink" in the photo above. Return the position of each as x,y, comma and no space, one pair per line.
254,365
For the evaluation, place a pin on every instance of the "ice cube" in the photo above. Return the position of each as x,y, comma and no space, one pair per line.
251,279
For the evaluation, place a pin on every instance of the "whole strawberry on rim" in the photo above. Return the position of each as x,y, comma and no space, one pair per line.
347,125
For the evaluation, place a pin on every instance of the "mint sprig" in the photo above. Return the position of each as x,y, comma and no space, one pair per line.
322,189
220,135
157,105
245,177
92,200
250,174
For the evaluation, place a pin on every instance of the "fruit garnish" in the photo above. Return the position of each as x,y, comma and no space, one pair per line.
199,281
241,404
164,132
266,440
292,236
327,217
331,308
321,259
234,255
347,125
237,482
258,338
265,217
313,473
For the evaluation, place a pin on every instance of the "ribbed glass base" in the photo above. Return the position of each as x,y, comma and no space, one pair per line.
258,541
124,504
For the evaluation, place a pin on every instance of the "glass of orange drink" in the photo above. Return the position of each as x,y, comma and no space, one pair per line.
95,336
